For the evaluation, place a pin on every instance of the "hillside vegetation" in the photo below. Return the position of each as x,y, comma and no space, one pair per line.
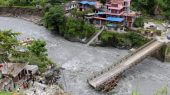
153,7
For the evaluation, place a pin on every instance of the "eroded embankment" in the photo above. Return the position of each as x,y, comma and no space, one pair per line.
30,14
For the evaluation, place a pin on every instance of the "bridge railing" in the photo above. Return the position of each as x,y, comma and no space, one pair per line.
88,40
120,61
139,60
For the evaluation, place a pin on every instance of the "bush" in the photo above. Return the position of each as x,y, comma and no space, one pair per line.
38,55
35,53
139,22
77,28
80,14
123,40
115,39
54,18
38,48
136,39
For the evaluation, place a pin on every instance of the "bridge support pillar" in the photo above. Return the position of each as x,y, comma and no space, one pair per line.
163,53
167,53
160,53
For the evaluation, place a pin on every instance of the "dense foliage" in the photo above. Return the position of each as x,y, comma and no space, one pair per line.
38,54
11,50
8,42
80,14
68,27
139,22
122,40
102,1
17,2
152,7
77,28
42,3
54,19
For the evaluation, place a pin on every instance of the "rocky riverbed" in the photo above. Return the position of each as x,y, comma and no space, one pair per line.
80,62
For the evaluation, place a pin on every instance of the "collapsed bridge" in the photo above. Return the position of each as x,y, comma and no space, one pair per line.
108,78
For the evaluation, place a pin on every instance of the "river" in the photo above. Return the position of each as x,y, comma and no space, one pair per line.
80,62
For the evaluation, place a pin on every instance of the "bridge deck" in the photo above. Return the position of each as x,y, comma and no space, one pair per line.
125,64
95,37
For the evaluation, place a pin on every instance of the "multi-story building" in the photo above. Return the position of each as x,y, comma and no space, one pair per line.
116,13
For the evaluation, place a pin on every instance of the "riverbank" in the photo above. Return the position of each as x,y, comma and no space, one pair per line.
30,14
80,62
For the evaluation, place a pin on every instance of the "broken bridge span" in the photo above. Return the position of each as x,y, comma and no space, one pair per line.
108,78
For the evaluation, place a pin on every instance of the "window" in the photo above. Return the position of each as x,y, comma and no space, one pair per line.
125,3
115,5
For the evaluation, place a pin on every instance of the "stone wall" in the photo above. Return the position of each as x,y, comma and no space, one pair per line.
167,53
163,54
30,14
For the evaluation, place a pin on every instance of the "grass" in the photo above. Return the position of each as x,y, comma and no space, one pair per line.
168,51
151,19
162,91
9,93
5,93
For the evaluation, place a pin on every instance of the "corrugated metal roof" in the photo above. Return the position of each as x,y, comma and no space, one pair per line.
13,69
87,2
115,19
99,13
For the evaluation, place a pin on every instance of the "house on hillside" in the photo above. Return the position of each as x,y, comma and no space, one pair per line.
16,75
70,6
116,14
88,4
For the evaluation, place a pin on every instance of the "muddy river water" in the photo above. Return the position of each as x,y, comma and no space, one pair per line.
80,62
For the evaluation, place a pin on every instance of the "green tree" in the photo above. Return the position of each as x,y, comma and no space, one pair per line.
123,40
73,28
152,7
81,14
8,42
38,55
55,18
77,28
103,1
38,48
136,39
139,22
35,53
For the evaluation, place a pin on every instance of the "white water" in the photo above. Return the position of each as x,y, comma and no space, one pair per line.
80,62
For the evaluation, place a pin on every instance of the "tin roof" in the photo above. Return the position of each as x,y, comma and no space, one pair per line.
88,2
115,19
12,69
